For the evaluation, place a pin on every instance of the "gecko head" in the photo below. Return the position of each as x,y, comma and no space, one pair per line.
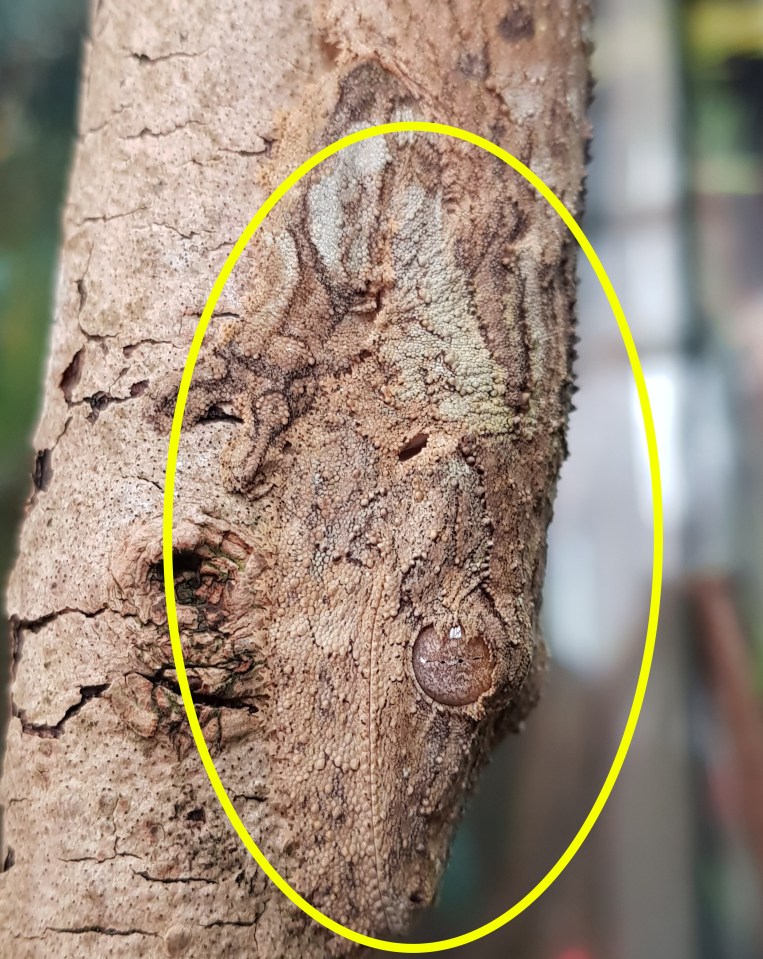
401,644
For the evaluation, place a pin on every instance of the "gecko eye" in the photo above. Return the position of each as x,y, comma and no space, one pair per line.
455,669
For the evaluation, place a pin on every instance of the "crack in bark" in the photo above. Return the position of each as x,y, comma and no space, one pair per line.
42,472
72,374
237,151
98,859
146,132
102,931
221,246
17,644
81,287
174,229
144,479
144,874
214,700
144,58
34,625
107,217
60,436
96,337
101,126
229,922
130,348
55,731
100,400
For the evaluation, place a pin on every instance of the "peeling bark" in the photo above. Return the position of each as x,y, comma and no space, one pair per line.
345,515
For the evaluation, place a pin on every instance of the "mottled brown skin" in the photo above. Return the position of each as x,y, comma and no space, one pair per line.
367,466
400,375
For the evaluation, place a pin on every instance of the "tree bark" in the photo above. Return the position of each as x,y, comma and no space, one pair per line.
366,475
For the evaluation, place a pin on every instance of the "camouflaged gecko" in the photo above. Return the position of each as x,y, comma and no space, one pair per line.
398,377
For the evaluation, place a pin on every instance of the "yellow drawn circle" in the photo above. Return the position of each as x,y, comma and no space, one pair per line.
657,561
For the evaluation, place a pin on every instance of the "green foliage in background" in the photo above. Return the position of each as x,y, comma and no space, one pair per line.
39,55
724,65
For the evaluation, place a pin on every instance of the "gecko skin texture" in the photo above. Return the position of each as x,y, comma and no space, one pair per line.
396,386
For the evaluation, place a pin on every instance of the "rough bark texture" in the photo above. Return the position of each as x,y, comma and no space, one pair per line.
366,474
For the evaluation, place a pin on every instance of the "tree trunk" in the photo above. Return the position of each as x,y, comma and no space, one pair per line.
367,468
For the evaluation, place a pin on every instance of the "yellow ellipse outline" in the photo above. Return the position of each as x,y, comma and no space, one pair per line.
412,126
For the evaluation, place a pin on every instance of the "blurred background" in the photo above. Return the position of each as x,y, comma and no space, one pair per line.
674,867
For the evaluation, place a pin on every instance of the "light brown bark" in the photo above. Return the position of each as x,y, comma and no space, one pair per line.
366,476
